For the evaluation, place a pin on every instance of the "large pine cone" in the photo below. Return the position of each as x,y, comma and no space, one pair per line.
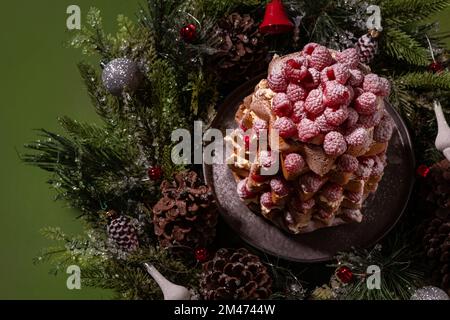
241,50
186,214
438,184
122,232
437,246
235,274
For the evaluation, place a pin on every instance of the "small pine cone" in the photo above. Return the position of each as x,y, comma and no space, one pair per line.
122,232
235,275
240,49
186,214
437,187
367,47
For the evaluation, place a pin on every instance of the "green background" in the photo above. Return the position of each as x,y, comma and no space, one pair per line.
39,81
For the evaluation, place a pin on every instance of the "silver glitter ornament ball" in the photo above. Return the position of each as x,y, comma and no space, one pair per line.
430,293
121,74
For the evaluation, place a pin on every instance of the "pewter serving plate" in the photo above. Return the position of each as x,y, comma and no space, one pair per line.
381,210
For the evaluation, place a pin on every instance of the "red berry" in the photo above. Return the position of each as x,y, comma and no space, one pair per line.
258,177
352,118
286,127
335,94
348,57
296,92
423,171
347,163
366,104
321,58
188,33
385,87
357,137
266,200
307,130
436,67
279,187
383,131
332,192
294,163
356,77
323,124
281,105
295,71
314,102
344,274
336,117
309,48
201,254
299,112
311,182
334,144
372,84
155,173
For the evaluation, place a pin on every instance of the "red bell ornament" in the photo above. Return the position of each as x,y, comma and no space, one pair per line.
276,20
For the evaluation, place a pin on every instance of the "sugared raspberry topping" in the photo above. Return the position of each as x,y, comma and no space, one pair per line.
347,163
336,117
266,200
378,167
309,48
325,215
369,121
307,130
356,77
296,92
299,112
366,103
363,172
266,159
277,82
335,94
311,182
323,124
312,80
314,102
243,191
354,197
348,57
281,105
334,144
286,127
385,87
352,118
294,163
279,187
295,71
383,132
372,83
357,137
367,161
338,72
332,192
259,125
321,58
308,205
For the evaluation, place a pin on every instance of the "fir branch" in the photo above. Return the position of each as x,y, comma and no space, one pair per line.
405,11
424,81
399,45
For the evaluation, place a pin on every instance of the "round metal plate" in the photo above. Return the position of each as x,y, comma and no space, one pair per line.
381,211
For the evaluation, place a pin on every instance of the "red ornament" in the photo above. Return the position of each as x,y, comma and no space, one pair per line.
155,173
436,67
189,33
422,171
276,20
201,254
344,274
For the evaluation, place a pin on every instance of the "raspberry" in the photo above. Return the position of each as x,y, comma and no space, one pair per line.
259,125
372,84
311,182
348,57
357,137
333,192
385,87
294,71
309,48
347,163
352,118
296,92
279,187
299,112
323,214
383,132
308,205
266,159
358,91
363,172
313,103
336,117
335,94
354,197
294,163
369,121
338,72
367,161
281,105
378,167
266,200
321,58
307,130
356,77
324,126
334,144
243,191
313,78
286,127
276,79
366,104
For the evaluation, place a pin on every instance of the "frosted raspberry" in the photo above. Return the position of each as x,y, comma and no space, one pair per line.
266,159
352,118
299,112
378,167
311,182
281,105
295,71
323,214
266,200
286,127
301,206
363,172
352,94
259,125
243,191
369,121
367,161
314,102
366,103
332,192
324,126
348,57
279,187
356,77
308,205
296,92
312,80
277,82
357,137
338,72
354,197
358,92
335,94
334,144
321,58
383,132
372,83
336,117
385,87
347,163
309,48
294,163
307,130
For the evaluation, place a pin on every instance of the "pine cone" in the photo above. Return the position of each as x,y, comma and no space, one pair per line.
122,232
185,215
241,50
438,184
235,274
437,246
367,47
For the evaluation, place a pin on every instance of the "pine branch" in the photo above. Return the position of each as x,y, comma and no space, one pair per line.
399,45
405,11
425,81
